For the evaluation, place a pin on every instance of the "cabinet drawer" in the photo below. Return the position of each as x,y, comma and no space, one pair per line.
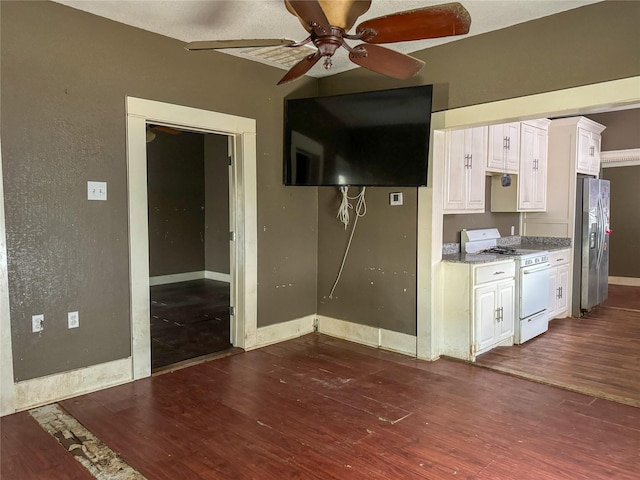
493,272
559,257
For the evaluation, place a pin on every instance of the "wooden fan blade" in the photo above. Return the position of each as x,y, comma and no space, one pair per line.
309,12
430,22
344,13
218,44
385,61
300,68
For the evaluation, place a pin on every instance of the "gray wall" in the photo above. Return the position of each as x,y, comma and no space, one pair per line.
378,284
591,44
65,77
624,259
623,132
176,196
623,129
216,172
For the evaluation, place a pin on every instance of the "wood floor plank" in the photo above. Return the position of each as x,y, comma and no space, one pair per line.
598,354
287,412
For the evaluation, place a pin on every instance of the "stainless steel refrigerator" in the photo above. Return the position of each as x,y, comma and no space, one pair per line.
591,244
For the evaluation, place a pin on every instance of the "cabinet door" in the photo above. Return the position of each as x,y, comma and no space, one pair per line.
476,141
583,162
540,169
497,142
485,316
512,133
552,308
532,182
594,152
563,286
506,303
455,171
526,177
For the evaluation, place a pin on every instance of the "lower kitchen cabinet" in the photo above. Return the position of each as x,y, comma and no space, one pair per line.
479,307
559,293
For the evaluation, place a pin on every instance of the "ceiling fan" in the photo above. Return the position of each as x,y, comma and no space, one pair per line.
328,22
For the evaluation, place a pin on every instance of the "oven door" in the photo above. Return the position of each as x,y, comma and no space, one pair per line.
534,289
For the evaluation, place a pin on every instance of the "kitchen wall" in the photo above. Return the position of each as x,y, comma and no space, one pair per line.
622,133
580,47
65,77
503,221
175,191
624,260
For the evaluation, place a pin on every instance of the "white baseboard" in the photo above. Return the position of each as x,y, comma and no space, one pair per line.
366,335
220,277
628,281
53,388
284,331
187,276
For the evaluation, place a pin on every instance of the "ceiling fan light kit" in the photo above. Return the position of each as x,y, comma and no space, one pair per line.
328,22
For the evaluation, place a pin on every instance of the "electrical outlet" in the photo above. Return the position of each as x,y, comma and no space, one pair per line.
37,323
73,319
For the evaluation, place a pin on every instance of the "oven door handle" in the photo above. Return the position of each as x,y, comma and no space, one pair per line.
528,271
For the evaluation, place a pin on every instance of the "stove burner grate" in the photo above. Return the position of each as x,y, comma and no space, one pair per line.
500,250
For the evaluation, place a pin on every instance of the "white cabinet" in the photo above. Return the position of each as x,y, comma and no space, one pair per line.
589,139
569,151
464,165
559,293
479,307
528,192
532,182
504,148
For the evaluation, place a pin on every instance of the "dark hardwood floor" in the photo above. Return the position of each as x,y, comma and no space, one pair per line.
322,408
598,354
188,320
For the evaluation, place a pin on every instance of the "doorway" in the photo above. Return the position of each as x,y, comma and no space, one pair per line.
188,191
241,133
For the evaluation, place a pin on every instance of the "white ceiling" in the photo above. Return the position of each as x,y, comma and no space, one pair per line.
191,20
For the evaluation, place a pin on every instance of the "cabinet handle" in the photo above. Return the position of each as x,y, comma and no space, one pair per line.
592,151
505,143
470,161
508,143
560,260
499,314
498,273
558,293
561,292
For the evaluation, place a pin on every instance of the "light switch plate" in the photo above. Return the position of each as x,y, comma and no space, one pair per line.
96,190
37,323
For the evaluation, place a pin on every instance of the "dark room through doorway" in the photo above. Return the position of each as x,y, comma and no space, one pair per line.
189,250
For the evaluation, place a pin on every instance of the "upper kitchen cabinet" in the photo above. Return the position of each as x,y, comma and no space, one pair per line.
504,148
464,170
588,152
574,147
529,192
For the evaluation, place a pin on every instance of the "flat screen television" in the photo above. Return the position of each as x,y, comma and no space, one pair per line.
378,138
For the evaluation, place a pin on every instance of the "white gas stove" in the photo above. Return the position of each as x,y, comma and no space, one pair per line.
532,280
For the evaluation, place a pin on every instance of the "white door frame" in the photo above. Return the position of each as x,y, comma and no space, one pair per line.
242,132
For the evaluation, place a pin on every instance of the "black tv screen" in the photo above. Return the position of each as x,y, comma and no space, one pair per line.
378,138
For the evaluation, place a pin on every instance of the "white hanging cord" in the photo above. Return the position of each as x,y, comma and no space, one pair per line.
343,215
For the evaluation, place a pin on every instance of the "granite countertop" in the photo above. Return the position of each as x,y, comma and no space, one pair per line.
451,251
